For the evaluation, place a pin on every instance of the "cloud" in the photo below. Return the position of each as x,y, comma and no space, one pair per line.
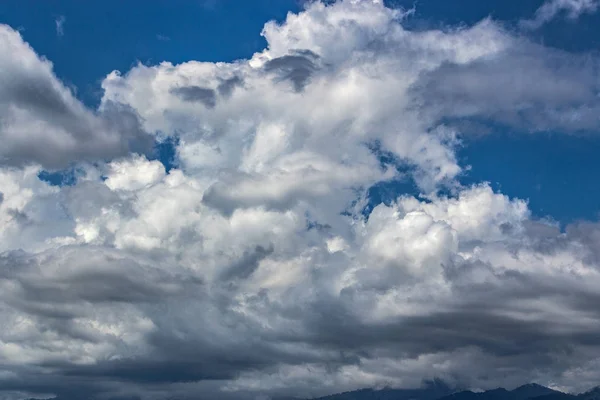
227,86
251,269
206,96
60,24
525,86
551,8
297,68
43,123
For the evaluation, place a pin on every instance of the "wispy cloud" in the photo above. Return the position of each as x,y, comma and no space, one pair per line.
163,38
60,23
551,8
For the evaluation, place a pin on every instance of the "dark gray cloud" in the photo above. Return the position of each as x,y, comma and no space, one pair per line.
227,86
528,87
587,233
479,318
198,335
19,216
196,94
249,262
42,122
298,68
41,96
222,196
237,190
89,274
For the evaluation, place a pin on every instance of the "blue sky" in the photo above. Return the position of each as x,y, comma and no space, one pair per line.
102,36
372,193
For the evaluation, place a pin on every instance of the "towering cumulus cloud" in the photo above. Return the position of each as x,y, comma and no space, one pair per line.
252,269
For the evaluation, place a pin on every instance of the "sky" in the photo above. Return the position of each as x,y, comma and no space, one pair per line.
250,200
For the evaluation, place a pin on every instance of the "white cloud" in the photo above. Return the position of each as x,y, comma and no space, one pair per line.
251,265
134,173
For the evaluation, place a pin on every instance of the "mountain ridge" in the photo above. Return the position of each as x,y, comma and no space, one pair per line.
437,390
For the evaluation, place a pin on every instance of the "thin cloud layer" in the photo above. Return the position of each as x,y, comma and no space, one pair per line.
60,25
573,9
251,269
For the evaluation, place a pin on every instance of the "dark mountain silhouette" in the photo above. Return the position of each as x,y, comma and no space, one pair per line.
438,390
432,390
593,394
524,392
532,390
557,396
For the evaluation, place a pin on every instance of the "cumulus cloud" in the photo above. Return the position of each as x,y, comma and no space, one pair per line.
41,122
251,268
551,8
